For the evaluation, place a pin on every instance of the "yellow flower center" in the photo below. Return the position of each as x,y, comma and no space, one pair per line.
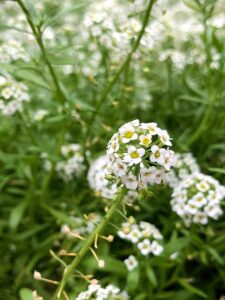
128,134
157,154
146,141
203,186
134,154
199,199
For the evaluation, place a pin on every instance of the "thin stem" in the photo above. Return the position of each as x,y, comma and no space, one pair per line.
38,36
119,72
88,242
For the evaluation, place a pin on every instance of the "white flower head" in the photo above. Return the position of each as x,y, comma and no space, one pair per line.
96,177
184,164
145,237
138,148
13,96
96,291
71,164
197,198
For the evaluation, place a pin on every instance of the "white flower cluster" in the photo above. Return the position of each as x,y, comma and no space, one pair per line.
144,235
12,51
107,22
185,165
71,165
197,198
97,181
103,187
13,94
139,154
96,292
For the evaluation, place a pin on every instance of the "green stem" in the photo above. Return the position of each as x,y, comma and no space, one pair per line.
38,36
119,72
88,242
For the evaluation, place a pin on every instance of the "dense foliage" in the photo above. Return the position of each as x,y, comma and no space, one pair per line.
72,73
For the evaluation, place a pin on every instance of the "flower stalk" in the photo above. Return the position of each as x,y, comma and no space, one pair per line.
88,242
38,36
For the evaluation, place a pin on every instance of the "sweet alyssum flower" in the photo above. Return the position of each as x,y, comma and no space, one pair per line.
71,164
146,238
103,187
185,165
12,51
98,182
197,198
96,292
139,154
131,262
13,95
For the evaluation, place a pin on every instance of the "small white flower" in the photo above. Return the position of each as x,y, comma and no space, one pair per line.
128,133
135,235
200,217
144,247
156,248
157,154
131,263
130,182
199,200
145,140
202,186
165,138
7,93
191,207
151,127
134,155
119,167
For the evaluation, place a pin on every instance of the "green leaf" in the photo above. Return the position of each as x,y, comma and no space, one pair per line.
133,280
194,88
112,265
17,214
217,170
175,244
62,13
191,288
215,255
165,295
60,216
33,12
55,119
62,60
151,275
25,294
33,76
141,296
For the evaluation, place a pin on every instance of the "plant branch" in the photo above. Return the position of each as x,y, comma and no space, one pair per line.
38,36
88,242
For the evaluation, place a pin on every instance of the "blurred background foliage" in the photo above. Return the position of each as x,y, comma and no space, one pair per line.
174,78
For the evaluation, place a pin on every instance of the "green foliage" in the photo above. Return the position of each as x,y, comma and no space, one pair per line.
89,84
